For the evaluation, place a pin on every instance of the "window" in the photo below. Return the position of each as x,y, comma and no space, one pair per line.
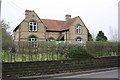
50,39
78,28
32,26
78,39
32,41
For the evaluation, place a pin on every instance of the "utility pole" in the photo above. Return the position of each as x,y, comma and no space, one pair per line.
0,44
0,30
0,9
119,21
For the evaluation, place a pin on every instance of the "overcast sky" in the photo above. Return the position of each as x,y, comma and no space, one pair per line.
96,14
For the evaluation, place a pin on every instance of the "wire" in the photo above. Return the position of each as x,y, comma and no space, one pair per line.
16,7
20,8
16,12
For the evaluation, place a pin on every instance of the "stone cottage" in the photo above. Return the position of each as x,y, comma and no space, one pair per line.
33,28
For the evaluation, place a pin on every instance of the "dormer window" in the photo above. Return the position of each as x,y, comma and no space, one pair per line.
32,26
78,29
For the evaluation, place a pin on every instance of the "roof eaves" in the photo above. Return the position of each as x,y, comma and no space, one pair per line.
83,23
18,26
69,22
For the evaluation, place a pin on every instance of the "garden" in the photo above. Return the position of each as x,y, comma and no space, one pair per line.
59,50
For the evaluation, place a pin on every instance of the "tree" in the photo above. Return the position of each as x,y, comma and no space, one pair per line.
0,38
7,40
90,37
101,36
113,34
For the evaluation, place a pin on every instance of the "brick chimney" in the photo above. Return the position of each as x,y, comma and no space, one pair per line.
27,12
67,17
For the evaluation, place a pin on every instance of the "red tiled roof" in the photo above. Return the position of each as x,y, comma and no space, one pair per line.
57,25
68,23
54,25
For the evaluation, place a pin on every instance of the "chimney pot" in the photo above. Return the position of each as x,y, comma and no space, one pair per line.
67,17
27,12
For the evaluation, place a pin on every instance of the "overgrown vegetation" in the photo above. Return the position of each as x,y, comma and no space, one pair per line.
56,50
102,49
7,40
78,52
90,36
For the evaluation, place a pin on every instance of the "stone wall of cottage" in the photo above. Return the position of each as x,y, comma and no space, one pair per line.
16,35
72,32
66,35
53,35
23,33
24,27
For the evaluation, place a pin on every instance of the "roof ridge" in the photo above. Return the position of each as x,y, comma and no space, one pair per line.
75,17
53,20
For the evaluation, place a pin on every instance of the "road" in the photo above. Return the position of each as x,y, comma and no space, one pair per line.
104,74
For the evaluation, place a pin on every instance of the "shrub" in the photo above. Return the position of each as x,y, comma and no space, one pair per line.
78,52
100,48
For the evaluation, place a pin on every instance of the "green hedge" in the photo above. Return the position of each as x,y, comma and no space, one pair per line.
98,48
78,52
55,50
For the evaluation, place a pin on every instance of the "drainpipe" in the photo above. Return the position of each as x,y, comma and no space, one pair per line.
66,35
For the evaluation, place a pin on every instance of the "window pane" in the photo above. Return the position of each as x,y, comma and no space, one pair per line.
35,39
34,28
34,23
77,30
30,23
30,28
29,39
50,39
78,39
32,39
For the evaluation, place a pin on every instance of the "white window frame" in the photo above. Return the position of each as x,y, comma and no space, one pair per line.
32,42
50,39
78,39
78,29
34,26
32,39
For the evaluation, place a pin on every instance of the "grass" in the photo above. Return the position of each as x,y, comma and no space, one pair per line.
43,57
30,57
106,54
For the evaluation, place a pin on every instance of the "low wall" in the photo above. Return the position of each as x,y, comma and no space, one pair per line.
19,69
